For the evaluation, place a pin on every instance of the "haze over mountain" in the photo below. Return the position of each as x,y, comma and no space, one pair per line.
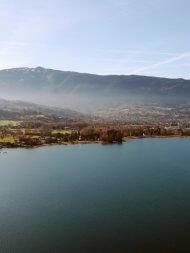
18,110
87,92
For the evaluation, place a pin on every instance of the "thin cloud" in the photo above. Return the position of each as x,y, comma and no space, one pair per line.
21,44
139,52
162,63
120,60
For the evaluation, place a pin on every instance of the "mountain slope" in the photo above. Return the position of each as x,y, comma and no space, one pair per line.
75,90
18,110
65,81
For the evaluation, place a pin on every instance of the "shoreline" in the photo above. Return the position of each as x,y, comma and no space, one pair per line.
125,139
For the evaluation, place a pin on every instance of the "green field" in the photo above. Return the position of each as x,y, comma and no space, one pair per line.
9,123
7,138
61,131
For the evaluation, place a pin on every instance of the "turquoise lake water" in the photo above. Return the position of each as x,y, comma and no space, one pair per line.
94,198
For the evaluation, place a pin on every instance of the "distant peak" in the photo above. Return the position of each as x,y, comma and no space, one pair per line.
39,68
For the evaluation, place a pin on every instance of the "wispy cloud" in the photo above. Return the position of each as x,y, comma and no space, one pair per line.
161,63
139,52
22,44
120,60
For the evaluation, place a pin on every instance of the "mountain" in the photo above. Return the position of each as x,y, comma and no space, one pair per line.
87,92
18,110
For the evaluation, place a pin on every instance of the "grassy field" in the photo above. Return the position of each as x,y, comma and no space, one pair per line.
9,123
7,138
61,131
13,134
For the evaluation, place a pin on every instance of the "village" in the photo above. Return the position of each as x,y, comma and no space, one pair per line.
37,133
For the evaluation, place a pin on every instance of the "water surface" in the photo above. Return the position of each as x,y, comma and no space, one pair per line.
133,197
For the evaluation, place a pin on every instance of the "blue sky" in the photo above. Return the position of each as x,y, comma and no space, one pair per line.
145,37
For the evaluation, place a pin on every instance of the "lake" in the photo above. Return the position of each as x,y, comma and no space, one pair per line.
133,197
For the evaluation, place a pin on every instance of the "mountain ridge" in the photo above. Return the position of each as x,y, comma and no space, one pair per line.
82,91
92,74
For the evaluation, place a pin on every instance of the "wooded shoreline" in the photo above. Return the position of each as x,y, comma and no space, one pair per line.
13,146
29,134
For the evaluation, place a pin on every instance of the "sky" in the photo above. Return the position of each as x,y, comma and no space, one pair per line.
140,37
